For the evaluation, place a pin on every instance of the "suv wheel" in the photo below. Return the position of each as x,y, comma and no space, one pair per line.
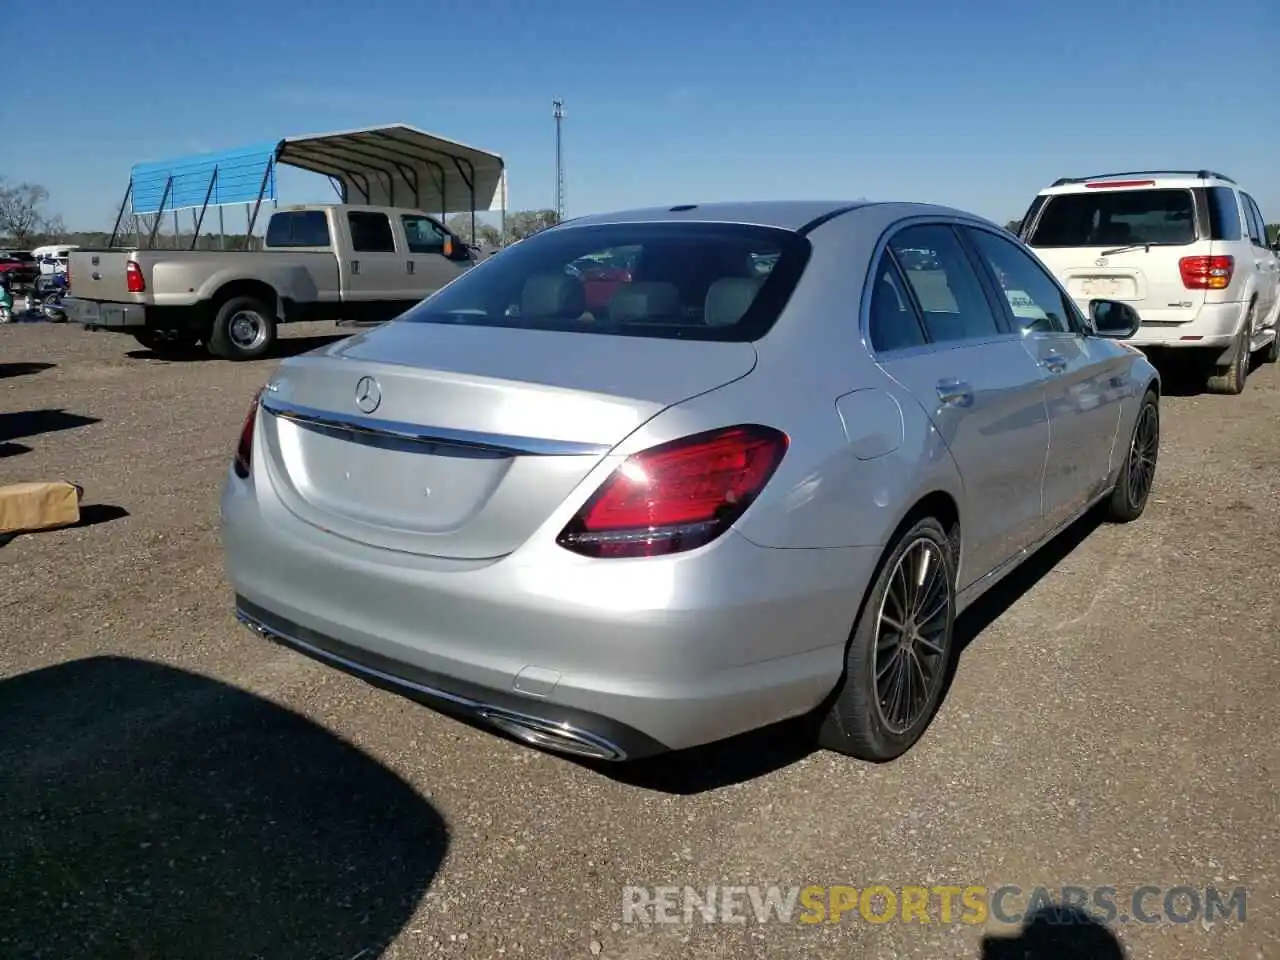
1232,378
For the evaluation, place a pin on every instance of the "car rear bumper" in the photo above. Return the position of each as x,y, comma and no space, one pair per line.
610,658
1216,325
105,316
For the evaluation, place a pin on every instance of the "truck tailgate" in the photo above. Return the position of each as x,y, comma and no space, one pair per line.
100,275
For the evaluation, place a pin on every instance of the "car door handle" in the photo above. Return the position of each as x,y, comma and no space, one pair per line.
355,266
955,393
1054,363
409,265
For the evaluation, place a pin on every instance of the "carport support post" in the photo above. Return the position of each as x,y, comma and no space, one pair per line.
222,230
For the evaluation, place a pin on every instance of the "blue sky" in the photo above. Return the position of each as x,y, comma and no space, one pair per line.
975,104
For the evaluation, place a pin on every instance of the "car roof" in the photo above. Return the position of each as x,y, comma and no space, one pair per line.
1140,180
796,215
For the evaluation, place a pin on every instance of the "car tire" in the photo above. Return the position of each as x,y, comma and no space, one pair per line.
892,645
1137,475
244,328
1231,380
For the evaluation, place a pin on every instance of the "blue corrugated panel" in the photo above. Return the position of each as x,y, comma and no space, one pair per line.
240,173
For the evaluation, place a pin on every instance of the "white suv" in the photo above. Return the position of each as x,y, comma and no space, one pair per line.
1187,249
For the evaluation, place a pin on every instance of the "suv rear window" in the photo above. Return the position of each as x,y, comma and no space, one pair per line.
1113,218
690,281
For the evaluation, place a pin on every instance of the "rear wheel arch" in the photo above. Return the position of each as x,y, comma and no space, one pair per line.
258,289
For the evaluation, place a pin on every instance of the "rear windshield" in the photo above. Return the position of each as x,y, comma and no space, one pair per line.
693,281
1112,218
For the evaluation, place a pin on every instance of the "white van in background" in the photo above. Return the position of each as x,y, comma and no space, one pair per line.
1188,249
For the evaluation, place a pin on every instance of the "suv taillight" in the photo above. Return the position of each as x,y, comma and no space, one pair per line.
678,495
1206,273
244,449
133,277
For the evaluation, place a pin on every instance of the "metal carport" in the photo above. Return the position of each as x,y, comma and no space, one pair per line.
400,165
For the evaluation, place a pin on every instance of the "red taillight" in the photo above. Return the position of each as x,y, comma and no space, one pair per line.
1206,273
133,277
244,449
1105,184
678,495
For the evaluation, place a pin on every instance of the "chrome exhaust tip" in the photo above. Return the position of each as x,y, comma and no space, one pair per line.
558,737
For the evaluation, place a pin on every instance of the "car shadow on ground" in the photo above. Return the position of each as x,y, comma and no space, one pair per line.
764,751
286,347
150,812
23,369
1056,933
30,423
1188,377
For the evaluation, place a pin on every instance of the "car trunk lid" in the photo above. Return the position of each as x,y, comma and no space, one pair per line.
458,441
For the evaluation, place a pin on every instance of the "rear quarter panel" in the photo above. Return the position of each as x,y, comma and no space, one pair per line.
844,482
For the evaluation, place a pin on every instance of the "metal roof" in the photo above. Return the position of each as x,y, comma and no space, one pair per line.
400,165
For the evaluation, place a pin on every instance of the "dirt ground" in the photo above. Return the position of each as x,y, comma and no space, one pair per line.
171,786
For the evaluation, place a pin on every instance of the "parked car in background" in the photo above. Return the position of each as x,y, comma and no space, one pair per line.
721,499
1187,249
19,269
320,262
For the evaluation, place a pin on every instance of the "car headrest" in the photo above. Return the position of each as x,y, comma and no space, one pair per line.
552,295
728,299
642,301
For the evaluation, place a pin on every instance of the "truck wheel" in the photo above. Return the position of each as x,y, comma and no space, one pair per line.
1232,379
244,329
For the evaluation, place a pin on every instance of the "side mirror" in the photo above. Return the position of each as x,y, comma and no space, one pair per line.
1114,319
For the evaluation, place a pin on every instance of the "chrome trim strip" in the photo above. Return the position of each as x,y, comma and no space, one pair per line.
474,439
532,730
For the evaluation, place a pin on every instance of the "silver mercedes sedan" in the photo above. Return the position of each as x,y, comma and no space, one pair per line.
650,479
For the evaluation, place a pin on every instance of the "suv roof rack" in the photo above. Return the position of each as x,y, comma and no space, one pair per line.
1201,174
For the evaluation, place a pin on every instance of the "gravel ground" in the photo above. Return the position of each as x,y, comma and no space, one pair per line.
172,787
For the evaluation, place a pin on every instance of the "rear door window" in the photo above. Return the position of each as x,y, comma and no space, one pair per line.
1257,229
893,323
370,232
298,228
697,281
1106,217
944,283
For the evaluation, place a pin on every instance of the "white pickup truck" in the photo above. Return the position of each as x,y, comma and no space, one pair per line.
320,262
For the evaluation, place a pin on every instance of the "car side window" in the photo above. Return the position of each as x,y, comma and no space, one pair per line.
370,232
940,274
1036,302
422,234
1257,227
893,323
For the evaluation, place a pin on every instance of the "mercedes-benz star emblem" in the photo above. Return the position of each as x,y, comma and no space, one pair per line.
368,394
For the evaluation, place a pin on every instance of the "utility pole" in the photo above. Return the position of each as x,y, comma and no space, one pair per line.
558,104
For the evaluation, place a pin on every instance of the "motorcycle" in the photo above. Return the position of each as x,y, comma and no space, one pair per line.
49,293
